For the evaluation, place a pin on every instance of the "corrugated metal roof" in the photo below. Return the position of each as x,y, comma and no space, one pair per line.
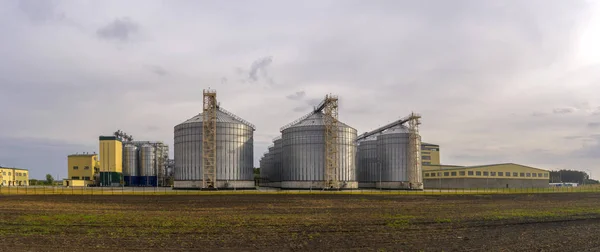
315,119
396,130
223,116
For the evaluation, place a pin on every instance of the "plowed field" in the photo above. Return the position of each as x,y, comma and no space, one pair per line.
315,222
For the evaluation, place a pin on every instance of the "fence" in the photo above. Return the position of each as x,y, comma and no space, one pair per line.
59,190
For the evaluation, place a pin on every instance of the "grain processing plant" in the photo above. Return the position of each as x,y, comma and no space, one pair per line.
214,149
315,151
390,156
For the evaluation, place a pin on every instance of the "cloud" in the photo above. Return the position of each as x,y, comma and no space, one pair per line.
297,96
563,110
40,11
120,29
158,70
259,66
594,125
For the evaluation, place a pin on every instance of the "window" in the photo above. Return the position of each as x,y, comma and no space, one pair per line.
515,174
439,174
8,173
522,174
453,173
545,175
500,174
478,173
534,174
528,174
461,173
75,177
75,167
508,174
86,178
426,157
427,174
425,153
86,168
433,174
486,173
426,163
470,173
539,175
493,173
4,173
446,174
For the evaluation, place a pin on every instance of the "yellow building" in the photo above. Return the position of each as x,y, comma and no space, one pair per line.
111,161
83,166
430,154
506,175
14,177
111,154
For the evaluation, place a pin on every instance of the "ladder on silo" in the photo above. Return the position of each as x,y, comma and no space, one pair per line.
330,117
209,139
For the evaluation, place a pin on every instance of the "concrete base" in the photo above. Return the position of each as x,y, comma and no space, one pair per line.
221,184
271,184
315,185
397,185
366,184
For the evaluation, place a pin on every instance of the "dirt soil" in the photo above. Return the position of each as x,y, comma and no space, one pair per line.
316,222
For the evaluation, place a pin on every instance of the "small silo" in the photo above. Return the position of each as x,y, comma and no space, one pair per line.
235,152
392,153
367,166
277,154
147,166
303,155
130,165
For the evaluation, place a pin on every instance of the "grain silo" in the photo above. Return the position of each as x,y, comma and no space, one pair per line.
234,152
304,154
395,163
130,165
367,167
276,159
148,173
392,153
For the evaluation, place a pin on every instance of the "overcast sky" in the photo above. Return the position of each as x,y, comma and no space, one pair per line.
495,81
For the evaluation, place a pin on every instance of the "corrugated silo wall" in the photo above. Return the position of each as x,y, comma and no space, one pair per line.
303,157
235,150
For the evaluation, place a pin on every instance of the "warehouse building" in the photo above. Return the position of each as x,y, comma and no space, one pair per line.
82,169
14,176
505,175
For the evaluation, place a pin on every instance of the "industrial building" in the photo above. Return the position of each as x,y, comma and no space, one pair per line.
214,149
13,176
83,169
111,161
388,157
506,175
145,163
315,151
122,162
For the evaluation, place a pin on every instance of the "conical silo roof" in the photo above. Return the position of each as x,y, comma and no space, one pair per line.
223,116
315,119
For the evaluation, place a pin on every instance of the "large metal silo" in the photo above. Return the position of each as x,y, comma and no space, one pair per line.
130,165
147,166
235,152
303,156
392,153
367,167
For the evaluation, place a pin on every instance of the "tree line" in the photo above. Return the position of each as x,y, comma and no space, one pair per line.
571,176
